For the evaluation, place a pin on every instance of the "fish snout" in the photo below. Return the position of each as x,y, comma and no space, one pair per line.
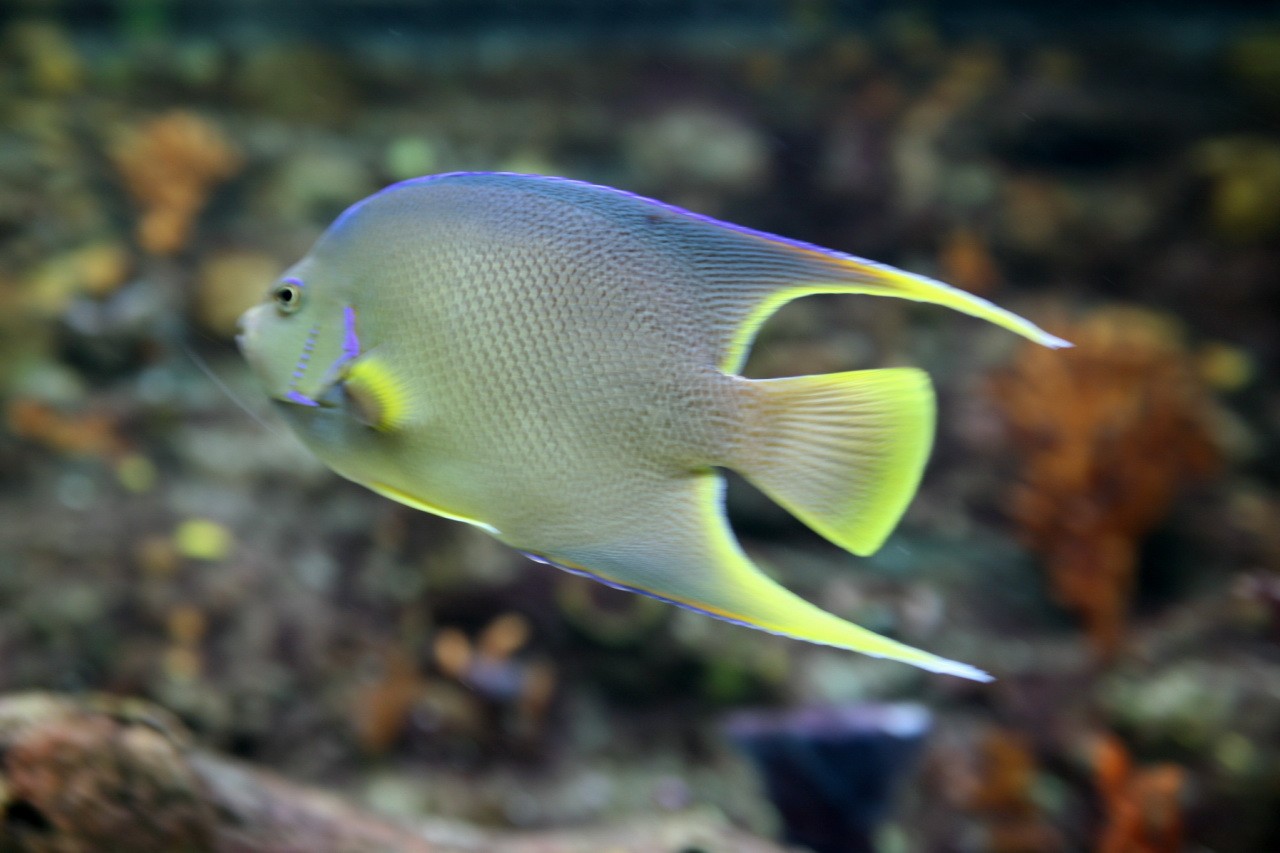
246,326
249,340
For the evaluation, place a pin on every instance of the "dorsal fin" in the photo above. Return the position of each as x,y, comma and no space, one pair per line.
747,275
742,275
680,550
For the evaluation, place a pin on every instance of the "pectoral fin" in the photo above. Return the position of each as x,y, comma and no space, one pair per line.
747,275
688,556
376,394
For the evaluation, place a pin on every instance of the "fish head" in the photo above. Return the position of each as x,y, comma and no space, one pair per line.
301,338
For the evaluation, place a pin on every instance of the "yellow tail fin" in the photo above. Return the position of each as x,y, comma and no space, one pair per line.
843,452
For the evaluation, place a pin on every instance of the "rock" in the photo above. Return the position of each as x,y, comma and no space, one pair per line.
313,186
297,82
831,772
701,144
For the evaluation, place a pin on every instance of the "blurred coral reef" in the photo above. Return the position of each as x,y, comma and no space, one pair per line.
1108,434
1142,805
1003,795
170,164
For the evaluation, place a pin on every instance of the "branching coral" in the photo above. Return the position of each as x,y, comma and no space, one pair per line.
169,165
1141,806
1108,433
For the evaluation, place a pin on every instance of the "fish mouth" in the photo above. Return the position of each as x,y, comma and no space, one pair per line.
247,342
246,326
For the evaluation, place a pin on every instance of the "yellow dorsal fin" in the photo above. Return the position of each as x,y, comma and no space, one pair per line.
741,275
807,271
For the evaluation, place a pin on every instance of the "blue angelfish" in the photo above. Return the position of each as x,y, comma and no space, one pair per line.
558,364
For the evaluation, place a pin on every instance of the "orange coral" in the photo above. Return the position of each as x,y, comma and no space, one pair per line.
382,709
966,262
170,164
1141,807
92,434
489,667
1108,433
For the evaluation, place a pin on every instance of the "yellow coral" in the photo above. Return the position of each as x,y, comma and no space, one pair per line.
95,269
169,165
202,539
1244,186
45,52
1107,432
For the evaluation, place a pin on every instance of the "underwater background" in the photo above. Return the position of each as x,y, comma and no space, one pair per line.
1098,527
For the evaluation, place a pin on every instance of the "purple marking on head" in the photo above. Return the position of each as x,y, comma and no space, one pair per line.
300,370
350,341
300,398
296,282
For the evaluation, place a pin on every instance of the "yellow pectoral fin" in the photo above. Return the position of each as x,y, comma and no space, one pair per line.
700,566
417,503
378,396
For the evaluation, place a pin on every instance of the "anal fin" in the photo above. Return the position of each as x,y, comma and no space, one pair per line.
685,554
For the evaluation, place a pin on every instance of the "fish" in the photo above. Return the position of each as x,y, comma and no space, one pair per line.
559,364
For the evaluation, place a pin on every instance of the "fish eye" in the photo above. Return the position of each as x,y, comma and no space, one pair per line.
288,297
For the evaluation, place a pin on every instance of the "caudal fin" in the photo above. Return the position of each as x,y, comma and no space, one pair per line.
843,452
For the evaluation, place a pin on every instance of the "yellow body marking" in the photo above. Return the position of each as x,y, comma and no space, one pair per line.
409,500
